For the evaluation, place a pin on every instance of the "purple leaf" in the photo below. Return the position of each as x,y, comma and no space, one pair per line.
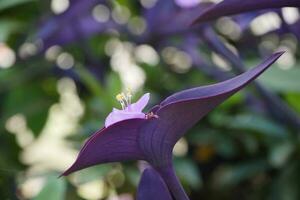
74,30
221,88
232,7
152,186
244,20
294,28
160,18
116,143
281,112
75,23
182,110
153,139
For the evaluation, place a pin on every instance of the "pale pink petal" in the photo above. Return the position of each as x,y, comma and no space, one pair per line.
120,115
140,104
187,3
132,111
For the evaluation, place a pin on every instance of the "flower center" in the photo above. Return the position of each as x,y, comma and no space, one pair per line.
151,115
124,98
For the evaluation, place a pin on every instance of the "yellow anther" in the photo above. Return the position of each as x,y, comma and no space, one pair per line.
120,97
124,98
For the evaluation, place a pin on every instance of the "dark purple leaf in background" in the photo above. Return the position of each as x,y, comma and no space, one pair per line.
293,28
232,7
77,23
244,20
152,186
69,25
160,18
75,30
153,139
283,112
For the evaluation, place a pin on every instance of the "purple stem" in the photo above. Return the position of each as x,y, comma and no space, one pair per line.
174,185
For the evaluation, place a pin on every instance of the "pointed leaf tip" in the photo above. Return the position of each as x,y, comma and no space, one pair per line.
197,102
116,143
223,87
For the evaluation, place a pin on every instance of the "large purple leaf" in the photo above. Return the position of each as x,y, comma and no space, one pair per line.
232,7
153,139
219,89
152,186
181,111
116,143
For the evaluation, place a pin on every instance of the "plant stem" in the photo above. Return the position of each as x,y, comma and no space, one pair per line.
170,178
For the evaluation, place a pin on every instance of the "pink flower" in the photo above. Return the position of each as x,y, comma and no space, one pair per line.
129,111
187,3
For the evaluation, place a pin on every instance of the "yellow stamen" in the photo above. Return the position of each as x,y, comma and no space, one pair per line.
128,95
120,97
124,98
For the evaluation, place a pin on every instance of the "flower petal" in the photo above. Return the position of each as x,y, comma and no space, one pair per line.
140,104
232,7
187,3
120,115
152,186
113,144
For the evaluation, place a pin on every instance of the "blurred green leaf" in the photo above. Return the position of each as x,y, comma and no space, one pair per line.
223,143
231,175
282,80
250,122
280,153
5,4
234,100
133,175
113,87
293,100
22,74
32,101
188,172
9,155
55,188
286,185
92,173
8,26
90,81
